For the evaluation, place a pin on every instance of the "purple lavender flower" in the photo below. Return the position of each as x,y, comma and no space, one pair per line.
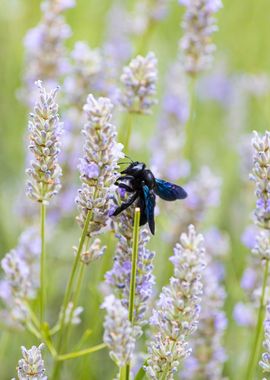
260,175
199,25
265,361
244,314
85,65
45,130
139,84
21,277
118,331
176,314
146,13
31,366
170,138
46,57
207,342
99,164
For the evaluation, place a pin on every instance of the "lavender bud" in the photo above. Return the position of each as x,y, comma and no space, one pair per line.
45,130
31,366
176,314
262,246
99,164
261,176
46,56
118,331
93,253
73,315
139,79
199,24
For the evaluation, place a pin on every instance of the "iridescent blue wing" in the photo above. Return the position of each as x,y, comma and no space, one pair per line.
150,202
169,191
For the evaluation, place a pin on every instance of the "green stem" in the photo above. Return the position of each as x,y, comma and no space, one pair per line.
42,263
69,290
132,287
73,355
254,355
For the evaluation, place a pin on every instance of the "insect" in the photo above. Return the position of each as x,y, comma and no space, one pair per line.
143,186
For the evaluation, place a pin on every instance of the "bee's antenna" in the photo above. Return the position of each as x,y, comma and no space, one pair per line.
128,158
123,163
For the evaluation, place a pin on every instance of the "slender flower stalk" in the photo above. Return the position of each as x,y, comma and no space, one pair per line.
199,23
45,172
260,175
132,287
119,277
176,314
31,366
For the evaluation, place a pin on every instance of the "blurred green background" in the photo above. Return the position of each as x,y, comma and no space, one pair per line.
243,42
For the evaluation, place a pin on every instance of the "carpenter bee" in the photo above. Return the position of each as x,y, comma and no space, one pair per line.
143,186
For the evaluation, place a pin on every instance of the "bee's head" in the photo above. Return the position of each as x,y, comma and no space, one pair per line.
134,168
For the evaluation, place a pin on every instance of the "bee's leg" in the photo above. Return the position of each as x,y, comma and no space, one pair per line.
123,177
126,187
125,204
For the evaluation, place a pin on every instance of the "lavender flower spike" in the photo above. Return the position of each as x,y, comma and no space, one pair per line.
265,361
118,334
45,129
176,314
31,366
139,79
260,175
98,166
199,25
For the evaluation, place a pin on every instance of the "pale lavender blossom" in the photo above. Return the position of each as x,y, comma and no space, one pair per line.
93,253
209,337
265,360
46,56
85,65
260,175
21,277
73,315
199,23
99,164
146,13
176,314
243,314
169,138
118,278
45,130
139,81
31,366
118,331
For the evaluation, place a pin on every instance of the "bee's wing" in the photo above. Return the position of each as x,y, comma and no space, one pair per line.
150,202
169,191
141,204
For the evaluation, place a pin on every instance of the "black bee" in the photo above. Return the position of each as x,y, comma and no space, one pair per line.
142,184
